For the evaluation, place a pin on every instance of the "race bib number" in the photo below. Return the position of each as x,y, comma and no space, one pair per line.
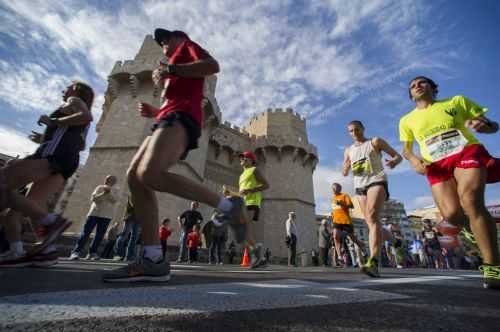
361,167
445,144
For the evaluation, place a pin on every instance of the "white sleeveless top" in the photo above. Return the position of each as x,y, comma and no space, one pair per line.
366,164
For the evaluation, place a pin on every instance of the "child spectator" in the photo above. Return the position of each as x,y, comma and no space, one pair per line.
165,232
193,241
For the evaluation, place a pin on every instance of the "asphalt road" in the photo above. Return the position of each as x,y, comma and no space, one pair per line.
71,297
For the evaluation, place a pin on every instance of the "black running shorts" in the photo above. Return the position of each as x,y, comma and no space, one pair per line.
193,131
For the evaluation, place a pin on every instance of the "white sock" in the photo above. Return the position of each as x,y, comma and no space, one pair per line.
48,219
17,247
153,252
49,249
224,205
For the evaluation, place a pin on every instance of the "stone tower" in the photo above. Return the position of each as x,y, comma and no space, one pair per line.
278,137
288,161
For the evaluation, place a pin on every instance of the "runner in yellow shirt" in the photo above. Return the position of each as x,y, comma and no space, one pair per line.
455,163
251,184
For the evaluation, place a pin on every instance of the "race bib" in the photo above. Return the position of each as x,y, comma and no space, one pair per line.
445,144
362,167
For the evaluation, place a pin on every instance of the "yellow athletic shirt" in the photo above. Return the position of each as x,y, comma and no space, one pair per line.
248,181
440,128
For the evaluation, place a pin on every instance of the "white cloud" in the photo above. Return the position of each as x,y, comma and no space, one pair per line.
267,59
15,143
422,201
30,87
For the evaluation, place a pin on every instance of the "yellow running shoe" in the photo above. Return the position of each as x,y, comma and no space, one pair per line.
469,236
491,275
371,268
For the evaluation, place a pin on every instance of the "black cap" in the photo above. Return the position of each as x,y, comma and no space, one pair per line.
161,35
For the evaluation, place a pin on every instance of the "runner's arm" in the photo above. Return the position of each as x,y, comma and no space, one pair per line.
200,68
482,124
414,160
347,163
76,111
264,185
382,145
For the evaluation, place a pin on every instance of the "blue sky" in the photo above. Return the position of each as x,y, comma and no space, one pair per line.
332,61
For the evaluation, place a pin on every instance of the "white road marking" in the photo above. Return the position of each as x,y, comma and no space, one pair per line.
177,300
316,296
344,289
223,293
187,299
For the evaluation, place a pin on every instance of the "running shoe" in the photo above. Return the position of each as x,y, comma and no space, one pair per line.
53,232
92,257
469,236
143,269
45,259
74,256
491,275
13,259
370,268
256,256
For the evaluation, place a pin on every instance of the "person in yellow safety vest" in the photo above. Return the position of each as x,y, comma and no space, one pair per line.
251,185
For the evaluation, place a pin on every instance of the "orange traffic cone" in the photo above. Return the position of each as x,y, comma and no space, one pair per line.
246,260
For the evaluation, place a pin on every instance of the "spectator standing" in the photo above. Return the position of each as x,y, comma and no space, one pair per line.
165,232
324,237
193,242
111,236
127,239
99,216
291,238
218,235
231,252
187,220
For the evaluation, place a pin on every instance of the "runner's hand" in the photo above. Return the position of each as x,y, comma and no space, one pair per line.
391,163
157,76
35,137
44,119
162,73
146,110
245,192
479,125
420,168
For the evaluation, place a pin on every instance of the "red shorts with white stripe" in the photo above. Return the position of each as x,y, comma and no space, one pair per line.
472,156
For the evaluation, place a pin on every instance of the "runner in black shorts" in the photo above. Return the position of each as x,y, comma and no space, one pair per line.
364,157
178,126
47,169
342,222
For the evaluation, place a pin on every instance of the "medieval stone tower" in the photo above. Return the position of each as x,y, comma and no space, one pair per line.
278,137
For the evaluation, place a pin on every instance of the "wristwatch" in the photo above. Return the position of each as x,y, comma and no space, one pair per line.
54,122
171,69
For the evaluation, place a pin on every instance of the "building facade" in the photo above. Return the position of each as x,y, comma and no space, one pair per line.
277,136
